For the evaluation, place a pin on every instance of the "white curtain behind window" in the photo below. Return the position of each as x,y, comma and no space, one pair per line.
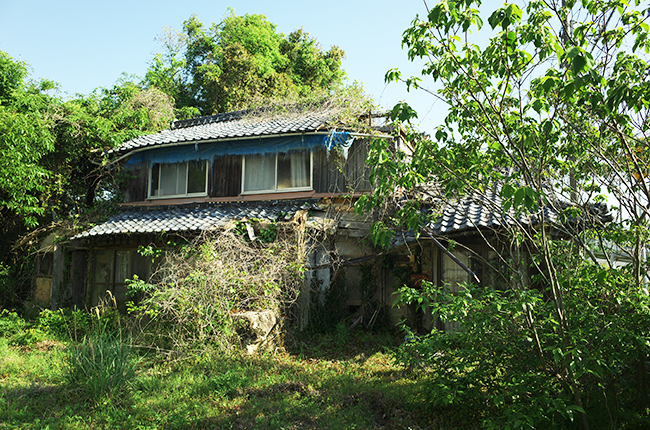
173,179
293,170
259,172
300,169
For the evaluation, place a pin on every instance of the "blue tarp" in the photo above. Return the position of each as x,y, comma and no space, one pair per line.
207,151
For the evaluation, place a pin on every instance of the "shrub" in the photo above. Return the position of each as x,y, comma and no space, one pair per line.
494,369
65,323
17,331
197,289
11,324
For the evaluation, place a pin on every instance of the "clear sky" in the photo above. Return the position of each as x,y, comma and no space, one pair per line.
85,44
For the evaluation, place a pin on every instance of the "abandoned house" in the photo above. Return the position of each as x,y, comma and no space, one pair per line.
204,173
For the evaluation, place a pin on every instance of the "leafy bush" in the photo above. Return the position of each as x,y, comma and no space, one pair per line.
30,336
490,365
11,324
101,365
65,323
17,331
507,366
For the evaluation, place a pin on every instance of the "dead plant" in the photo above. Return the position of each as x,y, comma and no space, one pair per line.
200,286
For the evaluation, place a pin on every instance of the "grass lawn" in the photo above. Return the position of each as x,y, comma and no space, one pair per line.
321,382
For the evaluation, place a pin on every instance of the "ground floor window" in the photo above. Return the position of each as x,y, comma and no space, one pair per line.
111,268
483,262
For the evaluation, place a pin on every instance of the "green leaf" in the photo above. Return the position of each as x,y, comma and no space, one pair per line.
434,15
519,196
572,52
496,18
507,191
393,75
403,112
514,13
569,89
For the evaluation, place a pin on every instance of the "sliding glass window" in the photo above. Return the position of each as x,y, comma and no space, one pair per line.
187,179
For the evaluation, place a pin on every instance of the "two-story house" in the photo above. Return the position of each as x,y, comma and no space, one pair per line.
204,173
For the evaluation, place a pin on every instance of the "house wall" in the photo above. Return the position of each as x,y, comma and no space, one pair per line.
425,260
409,265
226,175
338,171
137,183
335,171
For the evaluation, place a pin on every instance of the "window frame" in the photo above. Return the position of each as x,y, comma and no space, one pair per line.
187,172
277,190
117,286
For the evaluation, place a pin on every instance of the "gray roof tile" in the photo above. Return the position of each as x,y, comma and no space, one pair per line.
224,126
485,210
480,210
193,217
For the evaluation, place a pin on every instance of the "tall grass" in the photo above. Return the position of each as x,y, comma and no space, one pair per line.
101,365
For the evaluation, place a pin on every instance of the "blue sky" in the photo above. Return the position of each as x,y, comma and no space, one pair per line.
85,44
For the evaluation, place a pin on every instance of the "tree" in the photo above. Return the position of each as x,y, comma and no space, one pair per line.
560,98
51,156
238,61
24,138
86,127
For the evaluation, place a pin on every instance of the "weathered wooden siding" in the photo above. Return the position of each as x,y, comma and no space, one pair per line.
357,172
226,176
336,172
138,184
325,172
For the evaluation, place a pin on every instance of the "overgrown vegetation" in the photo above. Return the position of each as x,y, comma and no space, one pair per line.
317,382
546,117
52,148
493,368
51,165
349,107
101,365
201,289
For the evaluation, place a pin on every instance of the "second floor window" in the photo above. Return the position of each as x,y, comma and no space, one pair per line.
284,171
187,179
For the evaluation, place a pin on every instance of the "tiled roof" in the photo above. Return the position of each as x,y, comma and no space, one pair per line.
479,210
485,210
196,217
225,126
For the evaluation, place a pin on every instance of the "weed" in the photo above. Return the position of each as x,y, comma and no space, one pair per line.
101,365
11,324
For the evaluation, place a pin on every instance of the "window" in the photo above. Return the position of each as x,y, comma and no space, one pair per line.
284,171
111,268
179,179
